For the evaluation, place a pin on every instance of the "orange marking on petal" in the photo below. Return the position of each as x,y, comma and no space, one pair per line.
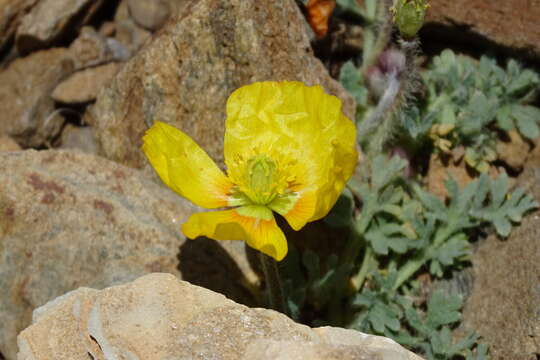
302,211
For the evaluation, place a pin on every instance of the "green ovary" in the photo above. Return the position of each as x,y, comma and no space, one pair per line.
262,184
261,174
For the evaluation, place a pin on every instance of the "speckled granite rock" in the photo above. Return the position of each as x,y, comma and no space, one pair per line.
504,306
26,108
69,219
184,75
159,317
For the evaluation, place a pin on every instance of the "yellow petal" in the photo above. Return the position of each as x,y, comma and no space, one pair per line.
302,211
298,125
185,167
262,234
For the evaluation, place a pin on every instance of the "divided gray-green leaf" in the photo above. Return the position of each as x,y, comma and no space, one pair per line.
500,207
351,79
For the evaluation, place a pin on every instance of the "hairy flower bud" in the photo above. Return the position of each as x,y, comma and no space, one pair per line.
409,16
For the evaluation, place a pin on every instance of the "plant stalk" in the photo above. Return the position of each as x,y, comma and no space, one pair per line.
418,261
276,295
358,280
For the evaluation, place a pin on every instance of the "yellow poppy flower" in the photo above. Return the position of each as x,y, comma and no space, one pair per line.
288,148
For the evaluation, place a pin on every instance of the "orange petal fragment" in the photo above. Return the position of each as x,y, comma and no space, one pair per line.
319,13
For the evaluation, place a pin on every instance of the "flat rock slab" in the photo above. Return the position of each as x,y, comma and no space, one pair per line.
185,74
83,86
160,317
512,24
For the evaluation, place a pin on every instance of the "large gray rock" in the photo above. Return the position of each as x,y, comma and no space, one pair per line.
69,219
159,317
27,111
185,74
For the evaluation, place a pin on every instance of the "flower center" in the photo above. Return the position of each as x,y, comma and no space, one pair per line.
261,175
264,181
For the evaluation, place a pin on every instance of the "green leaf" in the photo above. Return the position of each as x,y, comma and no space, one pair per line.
450,252
443,309
386,170
481,353
382,316
527,118
520,81
430,201
351,79
448,115
465,343
416,124
504,118
414,320
441,342
477,114
499,207
485,65
383,235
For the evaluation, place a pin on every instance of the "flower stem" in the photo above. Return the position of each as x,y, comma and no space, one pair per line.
358,280
276,295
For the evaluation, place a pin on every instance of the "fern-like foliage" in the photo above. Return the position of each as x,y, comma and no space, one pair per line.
476,100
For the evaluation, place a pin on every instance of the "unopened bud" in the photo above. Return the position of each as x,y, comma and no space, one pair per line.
390,63
409,16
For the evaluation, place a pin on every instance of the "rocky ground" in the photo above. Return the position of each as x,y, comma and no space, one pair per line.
80,82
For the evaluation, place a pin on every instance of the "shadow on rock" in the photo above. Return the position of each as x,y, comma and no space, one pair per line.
204,262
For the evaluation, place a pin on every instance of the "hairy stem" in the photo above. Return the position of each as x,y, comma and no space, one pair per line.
276,296
377,34
385,103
